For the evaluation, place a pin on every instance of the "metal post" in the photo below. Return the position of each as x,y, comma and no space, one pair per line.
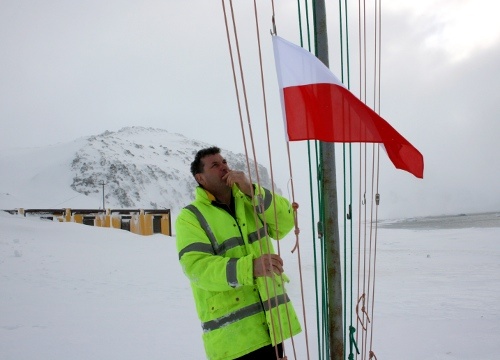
103,205
330,207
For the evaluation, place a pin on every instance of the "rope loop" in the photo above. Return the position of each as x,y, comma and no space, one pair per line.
363,310
352,341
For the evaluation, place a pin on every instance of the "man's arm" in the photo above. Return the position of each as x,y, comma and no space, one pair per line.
201,265
275,210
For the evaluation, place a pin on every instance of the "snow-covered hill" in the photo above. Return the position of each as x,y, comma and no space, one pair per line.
140,167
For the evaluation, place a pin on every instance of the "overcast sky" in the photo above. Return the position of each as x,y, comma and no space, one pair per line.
71,69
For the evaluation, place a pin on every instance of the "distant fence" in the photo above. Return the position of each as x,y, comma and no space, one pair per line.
138,221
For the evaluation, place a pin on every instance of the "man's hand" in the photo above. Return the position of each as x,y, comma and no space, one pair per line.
240,179
267,264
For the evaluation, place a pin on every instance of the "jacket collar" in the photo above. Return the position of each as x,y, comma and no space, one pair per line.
207,197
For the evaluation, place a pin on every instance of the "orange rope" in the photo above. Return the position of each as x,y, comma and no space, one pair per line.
367,265
253,148
378,33
241,117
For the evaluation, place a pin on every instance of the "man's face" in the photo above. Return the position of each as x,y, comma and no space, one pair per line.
214,168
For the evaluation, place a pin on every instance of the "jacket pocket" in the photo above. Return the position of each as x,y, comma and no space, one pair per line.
225,303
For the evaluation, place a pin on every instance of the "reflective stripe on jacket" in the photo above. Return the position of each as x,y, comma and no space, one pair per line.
239,313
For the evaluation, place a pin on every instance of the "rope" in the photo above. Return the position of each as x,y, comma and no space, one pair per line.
241,119
378,60
368,196
367,232
294,204
348,190
249,124
320,338
366,291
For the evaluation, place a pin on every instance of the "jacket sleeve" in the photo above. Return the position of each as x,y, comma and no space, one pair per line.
275,210
201,265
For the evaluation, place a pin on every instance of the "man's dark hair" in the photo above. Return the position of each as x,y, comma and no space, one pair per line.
197,165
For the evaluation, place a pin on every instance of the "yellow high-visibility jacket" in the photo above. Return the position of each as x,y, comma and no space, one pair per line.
239,313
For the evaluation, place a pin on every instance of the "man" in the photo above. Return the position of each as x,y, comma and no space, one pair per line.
236,278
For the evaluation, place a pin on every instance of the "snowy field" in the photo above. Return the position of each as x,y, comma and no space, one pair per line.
69,291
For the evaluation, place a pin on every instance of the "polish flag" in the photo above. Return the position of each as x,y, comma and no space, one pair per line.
317,106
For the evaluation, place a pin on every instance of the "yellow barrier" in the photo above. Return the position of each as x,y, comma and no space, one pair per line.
116,221
98,221
135,224
165,224
142,222
147,227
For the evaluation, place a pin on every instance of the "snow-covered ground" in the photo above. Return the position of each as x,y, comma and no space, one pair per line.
70,291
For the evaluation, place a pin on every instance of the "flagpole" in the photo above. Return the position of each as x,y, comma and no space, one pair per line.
329,192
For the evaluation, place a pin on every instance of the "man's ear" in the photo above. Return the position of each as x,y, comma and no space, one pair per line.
199,178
